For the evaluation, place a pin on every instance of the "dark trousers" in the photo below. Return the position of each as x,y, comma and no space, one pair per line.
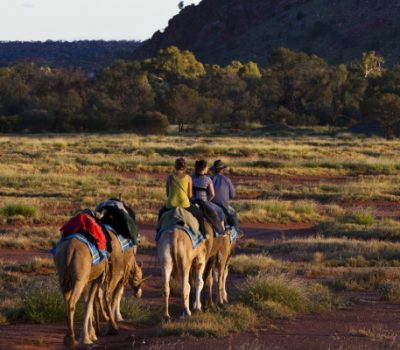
198,214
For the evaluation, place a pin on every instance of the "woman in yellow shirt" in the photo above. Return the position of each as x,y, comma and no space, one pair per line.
179,191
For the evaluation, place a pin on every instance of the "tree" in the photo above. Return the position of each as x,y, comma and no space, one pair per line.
175,66
181,5
151,123
384,109
372,64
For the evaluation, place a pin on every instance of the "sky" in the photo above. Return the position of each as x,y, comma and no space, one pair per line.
84,19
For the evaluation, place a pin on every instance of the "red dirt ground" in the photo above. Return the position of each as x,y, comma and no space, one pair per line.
338,329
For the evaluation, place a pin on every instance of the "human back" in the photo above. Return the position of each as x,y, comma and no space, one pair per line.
178,195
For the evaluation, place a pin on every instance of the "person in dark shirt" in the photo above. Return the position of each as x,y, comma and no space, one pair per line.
224,192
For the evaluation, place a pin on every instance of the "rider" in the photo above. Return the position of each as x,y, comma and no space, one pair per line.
203,193
179,190
224,192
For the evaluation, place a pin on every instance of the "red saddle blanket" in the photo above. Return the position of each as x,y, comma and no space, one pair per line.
84,223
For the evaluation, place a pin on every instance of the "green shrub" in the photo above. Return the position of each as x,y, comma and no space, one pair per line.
278,288
265,292
389,290
151,123
364,217
43,303
18,209
251,264
217,323
133,310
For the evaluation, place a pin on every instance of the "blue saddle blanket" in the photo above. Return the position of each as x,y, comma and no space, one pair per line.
196,239
125,243
233,233
97,255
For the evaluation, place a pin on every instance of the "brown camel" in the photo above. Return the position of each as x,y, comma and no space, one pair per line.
176,254
75,272
218,266
123,270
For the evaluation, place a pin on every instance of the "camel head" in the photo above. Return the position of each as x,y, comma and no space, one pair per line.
136,279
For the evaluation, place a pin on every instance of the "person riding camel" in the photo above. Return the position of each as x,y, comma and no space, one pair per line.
179,192
224,192
203,193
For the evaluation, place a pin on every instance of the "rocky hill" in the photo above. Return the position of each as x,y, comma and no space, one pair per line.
218,31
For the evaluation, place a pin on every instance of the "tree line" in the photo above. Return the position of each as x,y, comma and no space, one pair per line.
175,88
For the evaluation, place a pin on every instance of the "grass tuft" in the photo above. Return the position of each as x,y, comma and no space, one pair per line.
251,264
389,290
133,310
24,210
43,303
218,323
265,292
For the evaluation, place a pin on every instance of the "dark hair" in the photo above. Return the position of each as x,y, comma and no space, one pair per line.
199,166
180,164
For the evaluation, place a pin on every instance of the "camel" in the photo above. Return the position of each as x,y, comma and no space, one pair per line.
123,270
73,262
218,266
176,255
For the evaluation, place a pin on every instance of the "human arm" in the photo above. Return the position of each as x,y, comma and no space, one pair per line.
190,187
211,191
232,192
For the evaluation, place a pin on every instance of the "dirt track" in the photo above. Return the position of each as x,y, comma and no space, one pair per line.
339,329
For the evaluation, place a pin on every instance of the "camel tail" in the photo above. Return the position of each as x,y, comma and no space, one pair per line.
65,268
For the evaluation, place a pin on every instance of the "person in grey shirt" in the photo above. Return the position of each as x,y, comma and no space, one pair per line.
224,192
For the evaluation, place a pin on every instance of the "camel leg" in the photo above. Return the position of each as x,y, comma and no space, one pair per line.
92,330
208,299
166,278
85,337
225,293
119,294
71,298
199,284
101,305
220,285
112,328
96,314
186,290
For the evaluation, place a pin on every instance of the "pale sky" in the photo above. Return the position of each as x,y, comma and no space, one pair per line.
84,19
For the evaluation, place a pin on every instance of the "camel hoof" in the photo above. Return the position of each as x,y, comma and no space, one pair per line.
197,311
70,342
167,319
119,318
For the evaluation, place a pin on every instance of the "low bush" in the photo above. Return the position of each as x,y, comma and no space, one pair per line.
43,303
217,323
282,295
389,290
18,210
133,310
251,264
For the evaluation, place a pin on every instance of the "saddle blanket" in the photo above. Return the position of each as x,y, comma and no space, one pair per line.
196,239
125,243
97,255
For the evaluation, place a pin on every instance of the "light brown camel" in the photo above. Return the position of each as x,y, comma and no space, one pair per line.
73,262
123,270
218,265
176,254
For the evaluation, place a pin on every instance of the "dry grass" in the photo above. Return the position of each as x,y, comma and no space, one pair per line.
217,323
